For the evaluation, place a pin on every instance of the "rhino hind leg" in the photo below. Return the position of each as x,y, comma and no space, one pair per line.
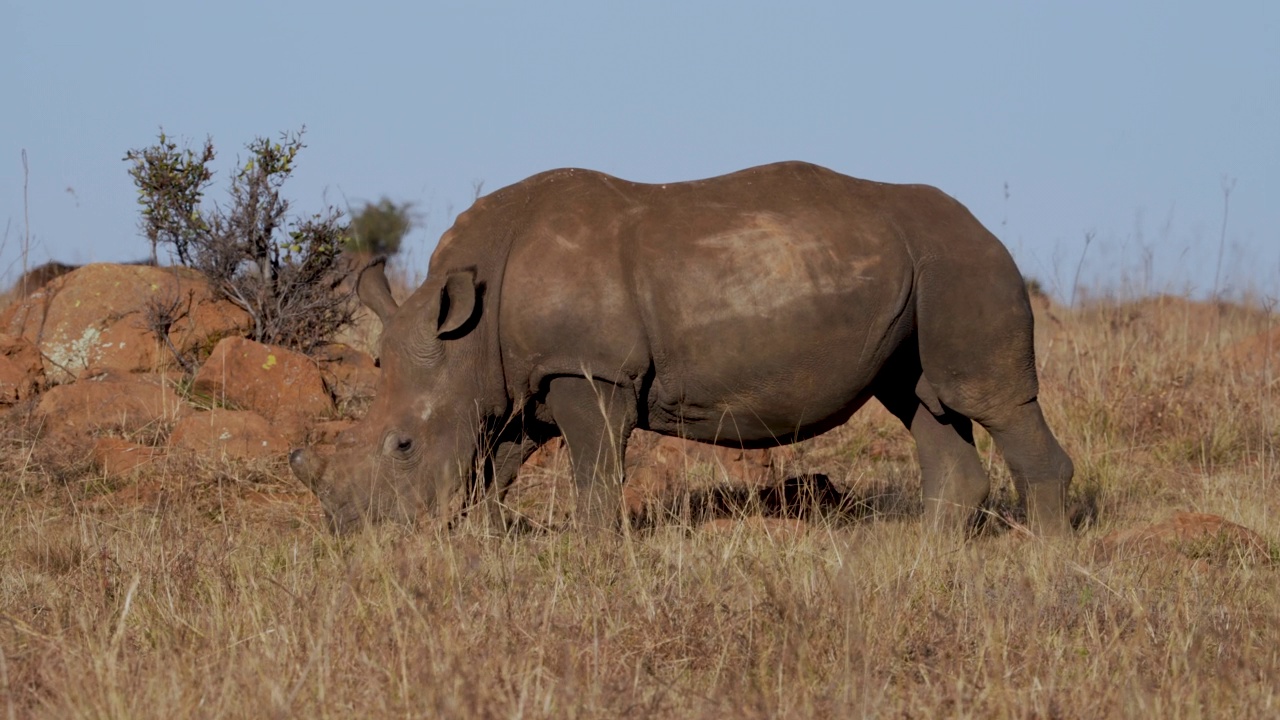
595,418
976,348
953,482
1041,469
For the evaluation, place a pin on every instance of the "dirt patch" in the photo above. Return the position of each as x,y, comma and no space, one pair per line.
1199,537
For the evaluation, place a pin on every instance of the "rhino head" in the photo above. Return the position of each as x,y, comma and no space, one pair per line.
417,445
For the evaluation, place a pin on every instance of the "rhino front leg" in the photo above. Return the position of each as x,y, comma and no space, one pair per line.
596,418
500,470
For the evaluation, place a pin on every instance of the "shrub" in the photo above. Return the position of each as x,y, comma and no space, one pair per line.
378,228
287,272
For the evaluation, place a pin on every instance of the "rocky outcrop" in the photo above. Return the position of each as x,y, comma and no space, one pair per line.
283,386
121,317
111,404
238,434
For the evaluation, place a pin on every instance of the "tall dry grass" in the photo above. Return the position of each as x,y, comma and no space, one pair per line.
217,594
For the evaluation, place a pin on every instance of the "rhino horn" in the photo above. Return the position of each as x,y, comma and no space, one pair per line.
306,467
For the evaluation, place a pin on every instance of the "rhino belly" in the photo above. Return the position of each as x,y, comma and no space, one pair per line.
759,381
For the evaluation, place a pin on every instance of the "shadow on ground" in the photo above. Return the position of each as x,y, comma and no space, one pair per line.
803,497
816,498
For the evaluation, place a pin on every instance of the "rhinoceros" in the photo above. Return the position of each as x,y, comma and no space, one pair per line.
749,310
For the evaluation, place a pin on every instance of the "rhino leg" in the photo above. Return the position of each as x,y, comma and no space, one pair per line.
1041,469
596,418
952,478
500,470
977,350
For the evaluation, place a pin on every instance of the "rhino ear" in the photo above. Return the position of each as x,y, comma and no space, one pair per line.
458,301
375,291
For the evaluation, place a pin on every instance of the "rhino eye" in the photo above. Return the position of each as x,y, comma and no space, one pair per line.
398,444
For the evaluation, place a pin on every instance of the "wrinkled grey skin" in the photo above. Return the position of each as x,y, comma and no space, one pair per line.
753,309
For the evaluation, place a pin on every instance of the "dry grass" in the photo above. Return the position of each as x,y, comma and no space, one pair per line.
218,595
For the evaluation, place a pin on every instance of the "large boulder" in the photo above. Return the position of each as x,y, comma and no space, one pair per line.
283,386
102,316
239,434
112,404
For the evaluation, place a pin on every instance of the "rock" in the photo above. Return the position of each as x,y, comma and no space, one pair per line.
198,332
1198,536
239,434
351,376
99,317
116,457
658,466
21,371
109,405
676,457
283,386
548,457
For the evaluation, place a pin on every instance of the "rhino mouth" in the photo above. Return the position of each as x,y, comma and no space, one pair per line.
308,467
341,516
349,508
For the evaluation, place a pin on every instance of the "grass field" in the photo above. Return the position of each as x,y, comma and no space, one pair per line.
211,590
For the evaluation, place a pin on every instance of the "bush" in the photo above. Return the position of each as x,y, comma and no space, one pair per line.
378,228
286,272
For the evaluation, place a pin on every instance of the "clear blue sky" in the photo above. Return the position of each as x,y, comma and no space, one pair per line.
1120,118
